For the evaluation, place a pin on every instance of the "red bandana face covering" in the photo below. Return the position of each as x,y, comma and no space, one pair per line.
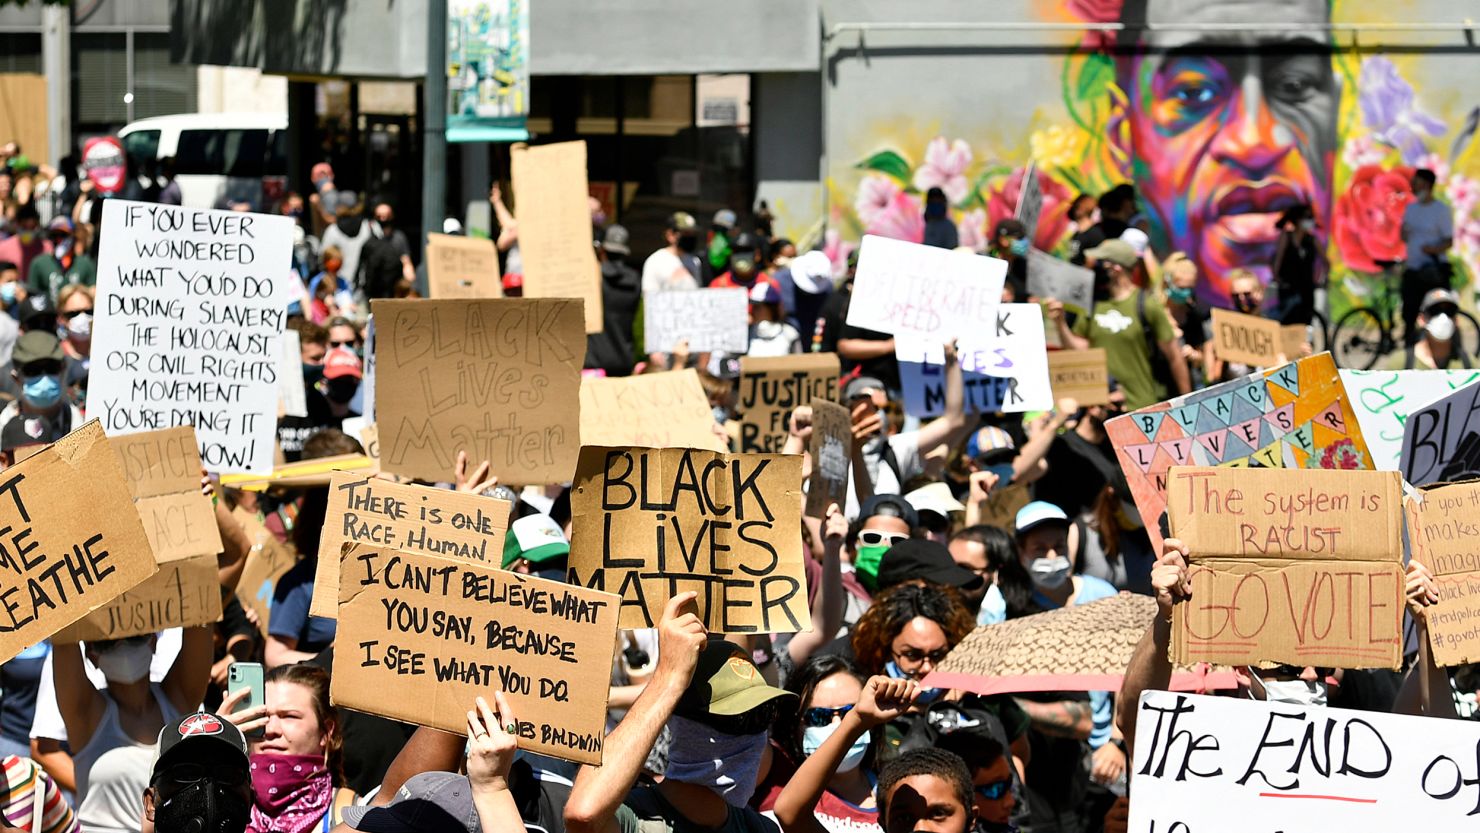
292,793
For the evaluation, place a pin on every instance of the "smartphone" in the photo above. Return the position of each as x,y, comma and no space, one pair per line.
248,674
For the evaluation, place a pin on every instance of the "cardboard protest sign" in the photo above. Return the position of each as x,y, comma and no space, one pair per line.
771,388
365,432
1441,441
462,267
1383,399
1004,361
1248,339
1003,504
551,202
74,539
1233,765
379,513
654,410
1442,530
1296,416
184,593
652,523
291,392
499,379
1049,277
267,560
420,636
831,450
1081,375
1030,201
163,473
190,312
1295,567
904,287
709,319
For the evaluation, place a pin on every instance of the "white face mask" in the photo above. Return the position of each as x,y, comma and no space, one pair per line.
727,764
1295,692
1050,573
126,662
1441,327
814,736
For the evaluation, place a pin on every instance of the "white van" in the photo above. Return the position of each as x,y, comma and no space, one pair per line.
219,157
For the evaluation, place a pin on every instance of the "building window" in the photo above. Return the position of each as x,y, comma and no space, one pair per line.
20,52
103,76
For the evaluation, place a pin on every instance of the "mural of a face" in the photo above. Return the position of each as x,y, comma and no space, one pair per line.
1228,129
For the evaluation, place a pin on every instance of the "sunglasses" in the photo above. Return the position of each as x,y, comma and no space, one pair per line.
1294,672
873,537
994,790
918,657
228,774
45,367
819,716
69,315
349,344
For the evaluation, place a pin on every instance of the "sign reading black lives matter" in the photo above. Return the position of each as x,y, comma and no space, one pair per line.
190,312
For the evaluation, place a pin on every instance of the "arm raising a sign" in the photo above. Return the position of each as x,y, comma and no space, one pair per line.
1150,669
952,423
1425,691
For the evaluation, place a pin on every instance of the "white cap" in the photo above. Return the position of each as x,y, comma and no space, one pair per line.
811,272
452,226
935,497
1137,240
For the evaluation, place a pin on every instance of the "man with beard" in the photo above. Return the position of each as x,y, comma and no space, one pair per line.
1226,129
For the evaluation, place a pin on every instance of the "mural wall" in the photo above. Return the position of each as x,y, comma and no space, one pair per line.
1219,130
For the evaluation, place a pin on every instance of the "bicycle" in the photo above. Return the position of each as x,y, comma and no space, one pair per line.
1365,334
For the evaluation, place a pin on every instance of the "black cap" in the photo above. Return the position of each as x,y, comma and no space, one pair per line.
745,242
1010,227
892,505
973,733
920,559
201,736
34,305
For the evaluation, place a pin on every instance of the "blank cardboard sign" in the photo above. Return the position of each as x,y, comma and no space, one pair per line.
379,513
1289,566
420,636
267,560
551,202
1444,534
462,267
831,449
75,541
652,523
654,410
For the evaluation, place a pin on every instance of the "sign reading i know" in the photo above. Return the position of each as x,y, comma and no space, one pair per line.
190,311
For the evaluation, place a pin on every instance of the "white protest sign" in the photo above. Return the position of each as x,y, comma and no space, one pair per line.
189,330
1049,277
1030,200
1005,363
1441,441
290,377
1231,765
1383,399
711,319
909,288
363,402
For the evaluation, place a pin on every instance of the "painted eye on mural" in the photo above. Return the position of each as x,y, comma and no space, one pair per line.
1294,87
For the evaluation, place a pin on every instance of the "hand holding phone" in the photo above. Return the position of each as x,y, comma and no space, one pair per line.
246,675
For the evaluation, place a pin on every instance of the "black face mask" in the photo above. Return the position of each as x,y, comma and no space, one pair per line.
312,373
1103,279
688,243
341,390
202,807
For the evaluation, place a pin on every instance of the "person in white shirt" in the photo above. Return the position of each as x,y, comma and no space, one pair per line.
1428,231
674,266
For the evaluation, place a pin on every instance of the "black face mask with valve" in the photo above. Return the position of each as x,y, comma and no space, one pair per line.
202,807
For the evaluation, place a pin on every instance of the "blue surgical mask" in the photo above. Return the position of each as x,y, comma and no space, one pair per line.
1003,472
1019,247
7,293
42,391
927,695
814,736
1179,294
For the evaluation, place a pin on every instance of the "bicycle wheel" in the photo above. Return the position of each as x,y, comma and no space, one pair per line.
1467,333
1359,340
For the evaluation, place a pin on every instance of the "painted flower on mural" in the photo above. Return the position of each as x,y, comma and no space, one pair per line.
902,218
1390,111
972,230
1097,11
837,250
945,168
1367,219
1342,454
1362,150
1053,219
1057,147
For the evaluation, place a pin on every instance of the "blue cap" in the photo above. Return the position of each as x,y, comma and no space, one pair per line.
1038,512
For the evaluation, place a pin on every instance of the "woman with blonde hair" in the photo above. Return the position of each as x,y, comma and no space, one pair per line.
1190,317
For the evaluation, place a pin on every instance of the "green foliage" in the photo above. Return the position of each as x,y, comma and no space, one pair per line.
890,163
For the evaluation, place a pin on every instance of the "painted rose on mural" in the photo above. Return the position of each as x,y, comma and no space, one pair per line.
1053,220
1368,220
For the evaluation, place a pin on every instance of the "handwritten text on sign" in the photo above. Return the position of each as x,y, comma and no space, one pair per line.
499,379
1297,567
163,472
831,449
1230,765
1445,534
184,593
73,539
650,524
1004,364
1441,442
420,636
771,388
1383,399
708,319
378,513
190,313
909,288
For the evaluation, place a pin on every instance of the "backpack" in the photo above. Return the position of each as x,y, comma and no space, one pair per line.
1161,369
380,268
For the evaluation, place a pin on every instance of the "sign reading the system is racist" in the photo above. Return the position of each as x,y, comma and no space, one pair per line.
190,313
1004,364
652,523
771,388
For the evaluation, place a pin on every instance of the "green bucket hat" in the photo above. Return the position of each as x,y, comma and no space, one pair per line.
726,684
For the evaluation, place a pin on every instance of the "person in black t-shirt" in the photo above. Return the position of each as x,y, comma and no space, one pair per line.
1081,461
861,352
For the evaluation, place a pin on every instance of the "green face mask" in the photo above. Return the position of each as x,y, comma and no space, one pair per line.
866,562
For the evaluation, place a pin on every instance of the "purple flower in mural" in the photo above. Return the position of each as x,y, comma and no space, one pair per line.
945,168
1388,108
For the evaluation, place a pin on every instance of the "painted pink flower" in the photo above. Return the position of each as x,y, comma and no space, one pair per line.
1097,11
875,193
1053,220
945,168
837,250
1464,194
1362,150
1435,163
972,229
1342,454
902,219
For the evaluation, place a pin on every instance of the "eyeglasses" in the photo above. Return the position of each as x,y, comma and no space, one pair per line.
873,537
915,656
190,773
823,716
69,315
994,790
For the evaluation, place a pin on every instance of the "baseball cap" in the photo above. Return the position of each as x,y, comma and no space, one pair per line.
60,223
36,345
36,305
615,238
891,505
200,736
989,440
1039,512
1137,240
682,221
723,217
428,801
765,292
1434,297
1116,251
23,430
917,558
1010,226
341,361
450,225
857,385
535,538
725,684
935,497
